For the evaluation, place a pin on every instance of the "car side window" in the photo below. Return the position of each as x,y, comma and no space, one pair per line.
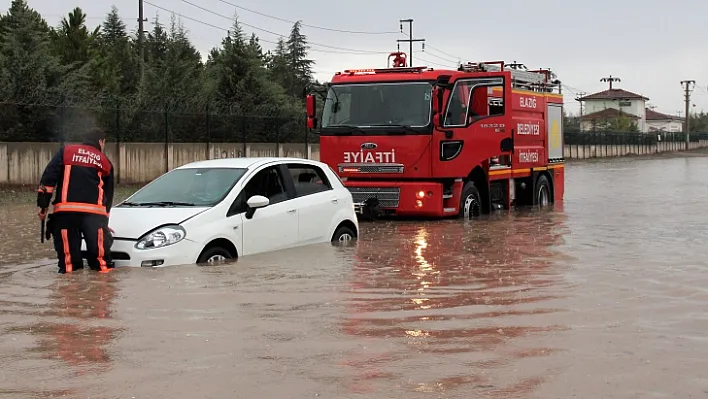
308,179
268,183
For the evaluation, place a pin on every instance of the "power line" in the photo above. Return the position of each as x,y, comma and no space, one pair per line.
456,61
354,52
306,25
440,58
276,33
428,62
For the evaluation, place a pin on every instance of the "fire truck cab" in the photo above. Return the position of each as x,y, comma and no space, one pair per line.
417,141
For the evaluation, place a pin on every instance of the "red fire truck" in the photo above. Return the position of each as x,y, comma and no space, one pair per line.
418,141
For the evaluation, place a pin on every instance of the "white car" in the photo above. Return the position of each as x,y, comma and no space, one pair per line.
221,209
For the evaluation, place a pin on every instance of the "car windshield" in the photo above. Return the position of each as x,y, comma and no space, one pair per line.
188,187
380,104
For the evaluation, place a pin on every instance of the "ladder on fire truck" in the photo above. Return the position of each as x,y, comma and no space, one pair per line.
542,80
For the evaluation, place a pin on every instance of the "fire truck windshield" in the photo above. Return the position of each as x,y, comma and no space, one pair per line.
396,105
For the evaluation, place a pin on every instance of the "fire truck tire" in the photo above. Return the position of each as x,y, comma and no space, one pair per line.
543,192
470,202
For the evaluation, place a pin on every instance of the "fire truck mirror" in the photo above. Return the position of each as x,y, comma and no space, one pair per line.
436,119
437,93
311,123
507,145
311,106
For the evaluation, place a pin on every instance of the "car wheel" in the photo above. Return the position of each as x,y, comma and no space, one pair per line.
215,254
343,235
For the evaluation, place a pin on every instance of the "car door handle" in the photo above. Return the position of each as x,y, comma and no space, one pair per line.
334,201
292,210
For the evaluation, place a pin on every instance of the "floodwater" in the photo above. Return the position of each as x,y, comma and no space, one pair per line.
603,297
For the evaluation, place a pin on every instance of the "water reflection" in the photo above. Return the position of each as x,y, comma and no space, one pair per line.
63,321
81,344
454,298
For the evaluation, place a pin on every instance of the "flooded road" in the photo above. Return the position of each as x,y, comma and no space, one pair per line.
604,297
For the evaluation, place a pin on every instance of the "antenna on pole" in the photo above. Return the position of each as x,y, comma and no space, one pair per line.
579,98
688,87
410,39
610,80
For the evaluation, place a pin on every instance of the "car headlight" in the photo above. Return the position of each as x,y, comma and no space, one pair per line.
161,237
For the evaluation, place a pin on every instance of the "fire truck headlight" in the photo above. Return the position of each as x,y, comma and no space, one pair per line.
419,204
421,194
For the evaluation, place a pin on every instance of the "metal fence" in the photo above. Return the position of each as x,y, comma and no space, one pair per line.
630,138
40,123
36,123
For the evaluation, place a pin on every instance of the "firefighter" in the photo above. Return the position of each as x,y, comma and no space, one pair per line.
80,176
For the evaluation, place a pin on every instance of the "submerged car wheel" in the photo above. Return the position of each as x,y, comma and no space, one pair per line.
343,234
215,254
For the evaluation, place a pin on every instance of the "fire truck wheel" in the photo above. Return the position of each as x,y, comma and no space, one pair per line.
470,202
543,191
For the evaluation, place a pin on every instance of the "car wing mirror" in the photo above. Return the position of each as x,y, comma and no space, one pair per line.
255,202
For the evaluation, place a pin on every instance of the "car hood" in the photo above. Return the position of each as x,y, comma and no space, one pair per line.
134,222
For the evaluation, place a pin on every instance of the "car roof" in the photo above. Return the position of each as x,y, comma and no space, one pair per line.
243,162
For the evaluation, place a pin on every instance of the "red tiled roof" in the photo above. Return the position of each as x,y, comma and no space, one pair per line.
658,116
613,94
607,113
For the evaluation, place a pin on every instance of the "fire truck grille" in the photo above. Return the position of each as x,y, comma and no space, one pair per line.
388,196
374,168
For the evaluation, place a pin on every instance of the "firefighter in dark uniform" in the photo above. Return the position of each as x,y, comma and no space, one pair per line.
80,177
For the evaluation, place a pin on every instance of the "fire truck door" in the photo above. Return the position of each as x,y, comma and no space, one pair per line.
476,112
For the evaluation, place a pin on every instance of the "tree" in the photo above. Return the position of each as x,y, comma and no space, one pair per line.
72,40
300,65
278,64
116,60
31,74
54,76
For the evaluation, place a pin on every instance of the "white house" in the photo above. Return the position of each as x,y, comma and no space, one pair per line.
658,122
606,106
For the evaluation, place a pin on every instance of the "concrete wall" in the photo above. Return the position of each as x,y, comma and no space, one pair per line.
573,151
136,163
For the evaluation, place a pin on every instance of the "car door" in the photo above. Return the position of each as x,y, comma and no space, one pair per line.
272,227
316,201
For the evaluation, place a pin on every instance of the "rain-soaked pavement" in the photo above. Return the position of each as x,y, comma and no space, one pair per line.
604,297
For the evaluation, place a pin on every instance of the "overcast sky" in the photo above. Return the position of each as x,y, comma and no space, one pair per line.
651,45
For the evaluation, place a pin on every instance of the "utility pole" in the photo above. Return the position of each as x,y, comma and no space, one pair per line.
688,87
141,41
610,80
410,39
579,99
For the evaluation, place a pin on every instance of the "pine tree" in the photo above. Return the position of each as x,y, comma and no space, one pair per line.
278,65
73,39
72,65
300,65
31,73
118,63
156,43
